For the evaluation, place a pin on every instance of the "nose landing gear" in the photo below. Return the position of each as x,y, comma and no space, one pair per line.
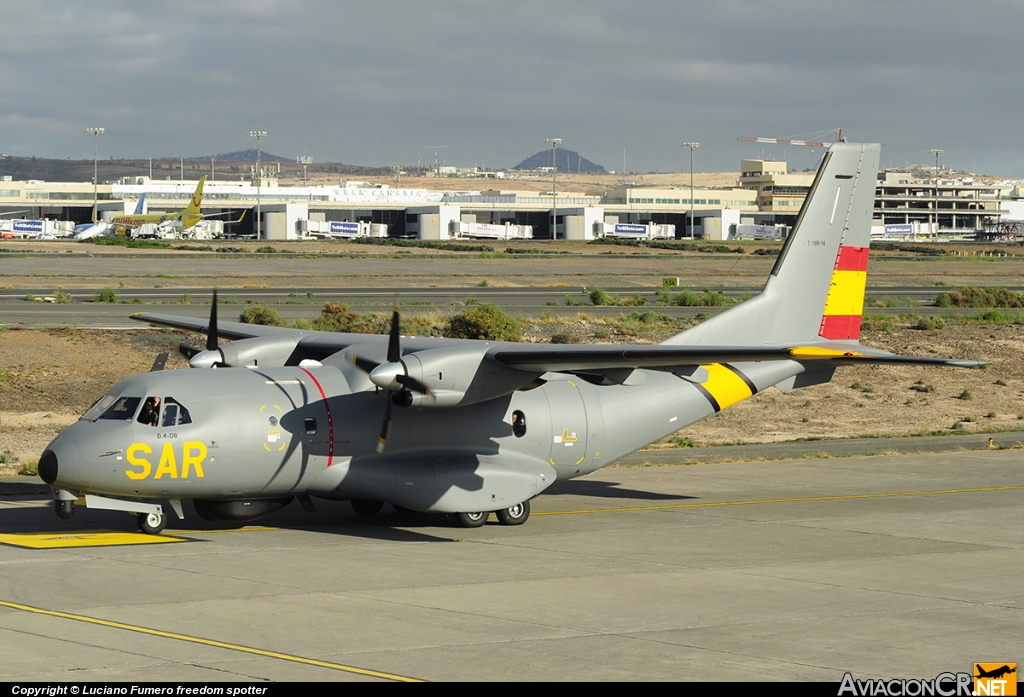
152,523
64,508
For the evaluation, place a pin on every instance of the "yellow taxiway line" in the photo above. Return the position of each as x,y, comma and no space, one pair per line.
801,499
209,642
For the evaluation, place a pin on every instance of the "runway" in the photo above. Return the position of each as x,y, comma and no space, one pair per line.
306,302
887,567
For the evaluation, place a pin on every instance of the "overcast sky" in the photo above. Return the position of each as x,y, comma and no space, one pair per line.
375,83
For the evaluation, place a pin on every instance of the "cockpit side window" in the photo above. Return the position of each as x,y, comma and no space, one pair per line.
150,414
174,413
123,409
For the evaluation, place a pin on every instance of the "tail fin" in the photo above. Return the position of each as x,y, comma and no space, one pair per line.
816,288
141,205
191,213
197,199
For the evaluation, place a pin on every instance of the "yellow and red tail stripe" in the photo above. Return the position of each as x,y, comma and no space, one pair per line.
845,303
725,386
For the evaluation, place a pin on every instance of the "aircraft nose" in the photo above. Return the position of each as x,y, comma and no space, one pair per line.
48,466
59,462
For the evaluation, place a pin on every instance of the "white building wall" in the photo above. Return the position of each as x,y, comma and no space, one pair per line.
580,223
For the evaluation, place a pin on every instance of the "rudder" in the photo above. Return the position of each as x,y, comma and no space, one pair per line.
816,288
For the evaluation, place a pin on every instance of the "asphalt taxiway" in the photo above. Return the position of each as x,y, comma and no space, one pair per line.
886,566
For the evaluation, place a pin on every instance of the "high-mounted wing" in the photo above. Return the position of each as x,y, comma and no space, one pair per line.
662,356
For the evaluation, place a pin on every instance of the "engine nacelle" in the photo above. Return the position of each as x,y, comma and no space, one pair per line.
453,376
262,351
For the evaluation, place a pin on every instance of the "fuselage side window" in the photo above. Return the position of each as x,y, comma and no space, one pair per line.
518,423
123,409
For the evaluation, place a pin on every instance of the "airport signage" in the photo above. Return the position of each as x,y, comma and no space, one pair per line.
344,228
906,229
624,229
27,226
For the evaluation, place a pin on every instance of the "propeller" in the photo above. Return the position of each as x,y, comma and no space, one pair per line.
210,357
391,376
159,363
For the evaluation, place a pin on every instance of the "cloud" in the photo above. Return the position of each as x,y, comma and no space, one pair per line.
375,83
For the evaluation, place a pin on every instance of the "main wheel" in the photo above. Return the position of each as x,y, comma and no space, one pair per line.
364,507
514,515
152,523
473,520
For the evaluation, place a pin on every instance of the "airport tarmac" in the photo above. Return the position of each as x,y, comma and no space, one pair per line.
887,566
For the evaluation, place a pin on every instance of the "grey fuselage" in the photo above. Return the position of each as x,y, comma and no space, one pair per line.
277,432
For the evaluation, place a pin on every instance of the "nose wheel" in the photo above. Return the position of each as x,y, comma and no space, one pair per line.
151,523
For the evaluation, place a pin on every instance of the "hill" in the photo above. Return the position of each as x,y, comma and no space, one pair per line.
242,156
568,161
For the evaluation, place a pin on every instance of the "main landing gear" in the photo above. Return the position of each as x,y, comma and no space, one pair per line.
513,515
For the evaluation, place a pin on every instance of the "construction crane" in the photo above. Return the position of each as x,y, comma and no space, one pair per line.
782,141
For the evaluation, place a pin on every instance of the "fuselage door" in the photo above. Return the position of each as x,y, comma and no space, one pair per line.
568,427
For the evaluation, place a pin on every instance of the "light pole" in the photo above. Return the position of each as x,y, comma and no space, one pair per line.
437,167
554,173
935,230
95,151
304,160
258,135
691,146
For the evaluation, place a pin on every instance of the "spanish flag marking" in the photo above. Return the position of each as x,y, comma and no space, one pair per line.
844,305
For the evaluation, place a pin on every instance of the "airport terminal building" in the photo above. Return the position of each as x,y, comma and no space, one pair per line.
766,200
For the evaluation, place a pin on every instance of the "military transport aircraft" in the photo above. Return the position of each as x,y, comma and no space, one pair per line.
465,427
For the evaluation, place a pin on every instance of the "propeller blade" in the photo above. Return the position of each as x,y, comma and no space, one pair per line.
412,384
385,430
159,363
394,350
187,351
364,364
211,335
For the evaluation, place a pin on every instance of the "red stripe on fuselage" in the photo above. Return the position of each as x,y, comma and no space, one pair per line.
852,259
330,421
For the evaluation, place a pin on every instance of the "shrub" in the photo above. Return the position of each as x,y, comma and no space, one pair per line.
105,295
966,395
336,317
485,322
30,469
564,338
930,323
261,314
61,298
599,297
973,296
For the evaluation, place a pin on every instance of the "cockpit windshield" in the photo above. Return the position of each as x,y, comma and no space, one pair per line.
123,409
156,411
